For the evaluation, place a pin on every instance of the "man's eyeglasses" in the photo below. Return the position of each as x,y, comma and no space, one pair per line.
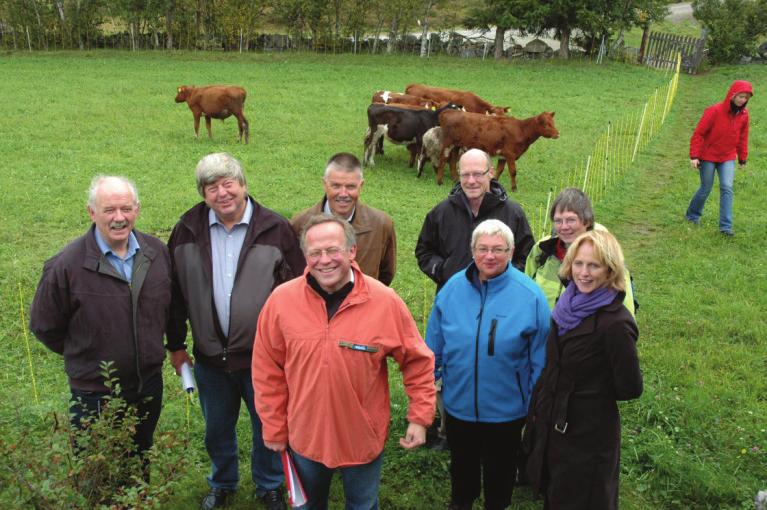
332,252
476,175
496,250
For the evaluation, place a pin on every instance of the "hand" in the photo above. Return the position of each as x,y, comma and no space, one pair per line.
695,163
415,436
277,446
178,358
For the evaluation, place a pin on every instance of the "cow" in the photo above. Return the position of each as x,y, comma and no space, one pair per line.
505,137
215,102
430,147
469,100
397,98
401,125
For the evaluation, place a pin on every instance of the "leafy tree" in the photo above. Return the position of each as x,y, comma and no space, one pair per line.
503,14
733,26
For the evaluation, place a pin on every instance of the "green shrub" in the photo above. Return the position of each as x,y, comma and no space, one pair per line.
96,467
734,27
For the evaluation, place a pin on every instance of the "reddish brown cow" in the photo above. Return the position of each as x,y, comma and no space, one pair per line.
397,98
215,102
469,100
505,137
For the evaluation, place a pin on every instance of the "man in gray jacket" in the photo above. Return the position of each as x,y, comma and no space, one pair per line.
106,297
228,253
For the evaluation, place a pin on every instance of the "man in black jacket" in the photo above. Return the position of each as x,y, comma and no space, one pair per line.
444,244
228,253
106,297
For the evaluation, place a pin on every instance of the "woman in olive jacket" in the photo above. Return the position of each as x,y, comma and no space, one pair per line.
573,427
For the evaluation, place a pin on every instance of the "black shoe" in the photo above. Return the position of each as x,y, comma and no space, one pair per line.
273,499
728,233
216,498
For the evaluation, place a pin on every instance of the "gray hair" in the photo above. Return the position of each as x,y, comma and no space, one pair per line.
574,200
493,228
319,219
471,152
344,162
215,166
99,180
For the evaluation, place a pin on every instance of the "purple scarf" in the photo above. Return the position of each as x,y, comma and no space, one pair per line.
573,306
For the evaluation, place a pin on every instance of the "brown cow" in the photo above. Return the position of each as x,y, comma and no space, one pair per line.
397,98
469,100
215,102
505,137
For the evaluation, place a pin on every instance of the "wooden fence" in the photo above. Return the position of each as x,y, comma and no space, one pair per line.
662,50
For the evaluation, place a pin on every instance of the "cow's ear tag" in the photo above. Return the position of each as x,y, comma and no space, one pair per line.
434,108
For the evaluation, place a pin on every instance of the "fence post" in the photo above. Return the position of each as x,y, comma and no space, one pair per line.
586,173
546,214
639,134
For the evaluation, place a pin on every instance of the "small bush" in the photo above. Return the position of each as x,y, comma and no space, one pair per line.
96,467
734,26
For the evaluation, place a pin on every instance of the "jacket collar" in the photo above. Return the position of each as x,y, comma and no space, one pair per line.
494,196
472,275
589,324
359,293
362,220
94,259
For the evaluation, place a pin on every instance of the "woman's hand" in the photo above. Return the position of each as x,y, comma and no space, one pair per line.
695,163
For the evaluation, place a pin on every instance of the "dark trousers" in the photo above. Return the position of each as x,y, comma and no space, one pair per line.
148,405
483,454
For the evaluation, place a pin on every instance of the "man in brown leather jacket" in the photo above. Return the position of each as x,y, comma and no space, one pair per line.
376,240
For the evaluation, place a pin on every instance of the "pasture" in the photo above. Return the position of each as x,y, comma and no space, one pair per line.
696,439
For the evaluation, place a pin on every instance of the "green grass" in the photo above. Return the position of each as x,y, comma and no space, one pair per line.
69,116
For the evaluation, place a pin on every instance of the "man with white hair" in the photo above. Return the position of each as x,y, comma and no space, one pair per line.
228,254
105,298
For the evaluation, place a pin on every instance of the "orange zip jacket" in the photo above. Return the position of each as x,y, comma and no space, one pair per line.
330,403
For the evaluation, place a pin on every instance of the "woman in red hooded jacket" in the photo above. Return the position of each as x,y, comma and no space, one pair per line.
720,136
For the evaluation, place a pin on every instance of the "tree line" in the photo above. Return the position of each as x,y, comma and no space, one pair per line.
375,26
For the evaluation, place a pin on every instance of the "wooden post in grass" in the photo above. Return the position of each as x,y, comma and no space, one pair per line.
639,133
607,157
29,349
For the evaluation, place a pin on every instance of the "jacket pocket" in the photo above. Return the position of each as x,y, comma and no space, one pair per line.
521,392
491,338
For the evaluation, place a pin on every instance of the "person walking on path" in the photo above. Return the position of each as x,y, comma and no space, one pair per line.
720,136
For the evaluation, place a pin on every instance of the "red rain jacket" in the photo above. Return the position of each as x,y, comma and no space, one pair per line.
722,135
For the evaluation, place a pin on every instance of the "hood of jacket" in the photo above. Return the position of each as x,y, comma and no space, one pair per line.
737,87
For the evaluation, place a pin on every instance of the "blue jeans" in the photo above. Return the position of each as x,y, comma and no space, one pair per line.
220,395
726,173
360,483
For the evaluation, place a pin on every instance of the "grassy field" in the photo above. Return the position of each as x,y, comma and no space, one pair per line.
696,439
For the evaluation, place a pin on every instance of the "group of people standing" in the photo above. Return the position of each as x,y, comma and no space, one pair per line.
296,320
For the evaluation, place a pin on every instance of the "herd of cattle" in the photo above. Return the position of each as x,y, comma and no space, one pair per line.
435,124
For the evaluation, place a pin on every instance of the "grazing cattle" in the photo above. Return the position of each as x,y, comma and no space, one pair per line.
469,100
430,147
397,98
505,137
401,125
215,102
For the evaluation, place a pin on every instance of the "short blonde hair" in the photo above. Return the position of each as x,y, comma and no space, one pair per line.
606,250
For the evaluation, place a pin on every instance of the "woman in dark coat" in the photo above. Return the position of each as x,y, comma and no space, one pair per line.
573,424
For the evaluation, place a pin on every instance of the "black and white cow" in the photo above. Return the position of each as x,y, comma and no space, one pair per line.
401,125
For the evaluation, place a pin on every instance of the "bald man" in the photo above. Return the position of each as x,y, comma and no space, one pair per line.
443,246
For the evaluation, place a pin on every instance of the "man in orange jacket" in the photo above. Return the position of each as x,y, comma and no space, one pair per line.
320,372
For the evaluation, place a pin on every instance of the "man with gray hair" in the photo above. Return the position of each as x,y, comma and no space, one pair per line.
376,240
228,253
105,298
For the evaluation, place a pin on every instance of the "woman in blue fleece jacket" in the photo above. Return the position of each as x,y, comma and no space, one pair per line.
488,330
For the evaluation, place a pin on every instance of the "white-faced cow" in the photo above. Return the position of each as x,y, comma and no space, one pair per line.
401,125
215,102
505,137
469,100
